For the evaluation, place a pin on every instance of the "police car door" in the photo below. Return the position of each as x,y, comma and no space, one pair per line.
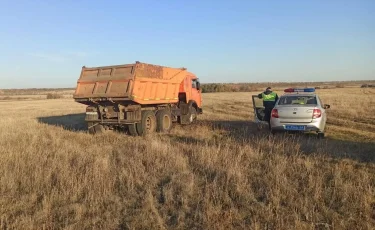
258,109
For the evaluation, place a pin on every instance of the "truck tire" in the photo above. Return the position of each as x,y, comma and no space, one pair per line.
132,128
148,123
163,121
95,129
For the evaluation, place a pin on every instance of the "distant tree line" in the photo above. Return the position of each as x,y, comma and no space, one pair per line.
32,91
220,87
259,87
367,86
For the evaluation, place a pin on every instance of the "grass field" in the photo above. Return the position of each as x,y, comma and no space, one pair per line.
220,173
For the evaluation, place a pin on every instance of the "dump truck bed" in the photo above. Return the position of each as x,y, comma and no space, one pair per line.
139,82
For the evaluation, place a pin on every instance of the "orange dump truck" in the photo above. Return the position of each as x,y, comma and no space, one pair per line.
141,98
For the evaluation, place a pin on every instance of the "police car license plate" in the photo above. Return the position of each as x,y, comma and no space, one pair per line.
295,127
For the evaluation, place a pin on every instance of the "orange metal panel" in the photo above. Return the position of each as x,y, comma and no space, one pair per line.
140,82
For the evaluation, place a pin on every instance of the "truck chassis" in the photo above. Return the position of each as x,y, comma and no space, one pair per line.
139,119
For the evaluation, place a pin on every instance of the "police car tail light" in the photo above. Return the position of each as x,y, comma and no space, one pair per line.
317,113
275,113
302,90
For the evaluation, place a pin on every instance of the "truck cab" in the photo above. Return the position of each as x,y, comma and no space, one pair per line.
190,92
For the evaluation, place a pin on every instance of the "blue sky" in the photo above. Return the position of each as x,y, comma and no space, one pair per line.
45,43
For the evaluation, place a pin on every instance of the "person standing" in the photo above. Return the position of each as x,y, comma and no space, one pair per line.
269,100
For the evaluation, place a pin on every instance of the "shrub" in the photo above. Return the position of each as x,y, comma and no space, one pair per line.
54,96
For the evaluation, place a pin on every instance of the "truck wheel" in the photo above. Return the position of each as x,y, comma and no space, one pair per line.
95,128
133,130
148,123
320,135
163,120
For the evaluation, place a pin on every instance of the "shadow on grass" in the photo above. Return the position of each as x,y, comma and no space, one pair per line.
248,132
72,122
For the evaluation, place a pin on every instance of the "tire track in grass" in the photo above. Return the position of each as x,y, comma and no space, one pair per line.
349,134
351,124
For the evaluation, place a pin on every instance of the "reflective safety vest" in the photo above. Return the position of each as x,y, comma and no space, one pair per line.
269,97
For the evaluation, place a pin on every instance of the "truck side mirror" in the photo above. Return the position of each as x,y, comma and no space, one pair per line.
198,85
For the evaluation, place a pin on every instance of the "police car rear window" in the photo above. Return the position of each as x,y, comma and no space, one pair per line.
298,100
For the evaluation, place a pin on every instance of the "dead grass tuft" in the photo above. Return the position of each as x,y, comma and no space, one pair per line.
54,96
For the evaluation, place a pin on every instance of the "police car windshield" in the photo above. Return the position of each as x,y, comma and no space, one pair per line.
298,100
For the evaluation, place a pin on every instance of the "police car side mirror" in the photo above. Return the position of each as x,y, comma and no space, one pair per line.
326,106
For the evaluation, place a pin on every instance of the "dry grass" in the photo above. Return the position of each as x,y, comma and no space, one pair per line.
220,173
34,94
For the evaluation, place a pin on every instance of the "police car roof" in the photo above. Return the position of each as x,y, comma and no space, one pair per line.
299,94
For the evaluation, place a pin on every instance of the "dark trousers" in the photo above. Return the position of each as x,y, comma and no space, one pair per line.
267,115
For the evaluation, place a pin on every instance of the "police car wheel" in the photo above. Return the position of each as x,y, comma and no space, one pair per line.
320,135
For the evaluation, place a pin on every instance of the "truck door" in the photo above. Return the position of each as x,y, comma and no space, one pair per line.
195,92
258,108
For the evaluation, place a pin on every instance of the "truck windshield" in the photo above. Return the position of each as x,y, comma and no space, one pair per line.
298,100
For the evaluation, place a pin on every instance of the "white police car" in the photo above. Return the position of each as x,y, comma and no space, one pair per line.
297,110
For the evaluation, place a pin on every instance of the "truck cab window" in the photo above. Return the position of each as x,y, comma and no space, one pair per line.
194,83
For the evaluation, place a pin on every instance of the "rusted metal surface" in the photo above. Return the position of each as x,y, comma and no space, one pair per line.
146,70
106,81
